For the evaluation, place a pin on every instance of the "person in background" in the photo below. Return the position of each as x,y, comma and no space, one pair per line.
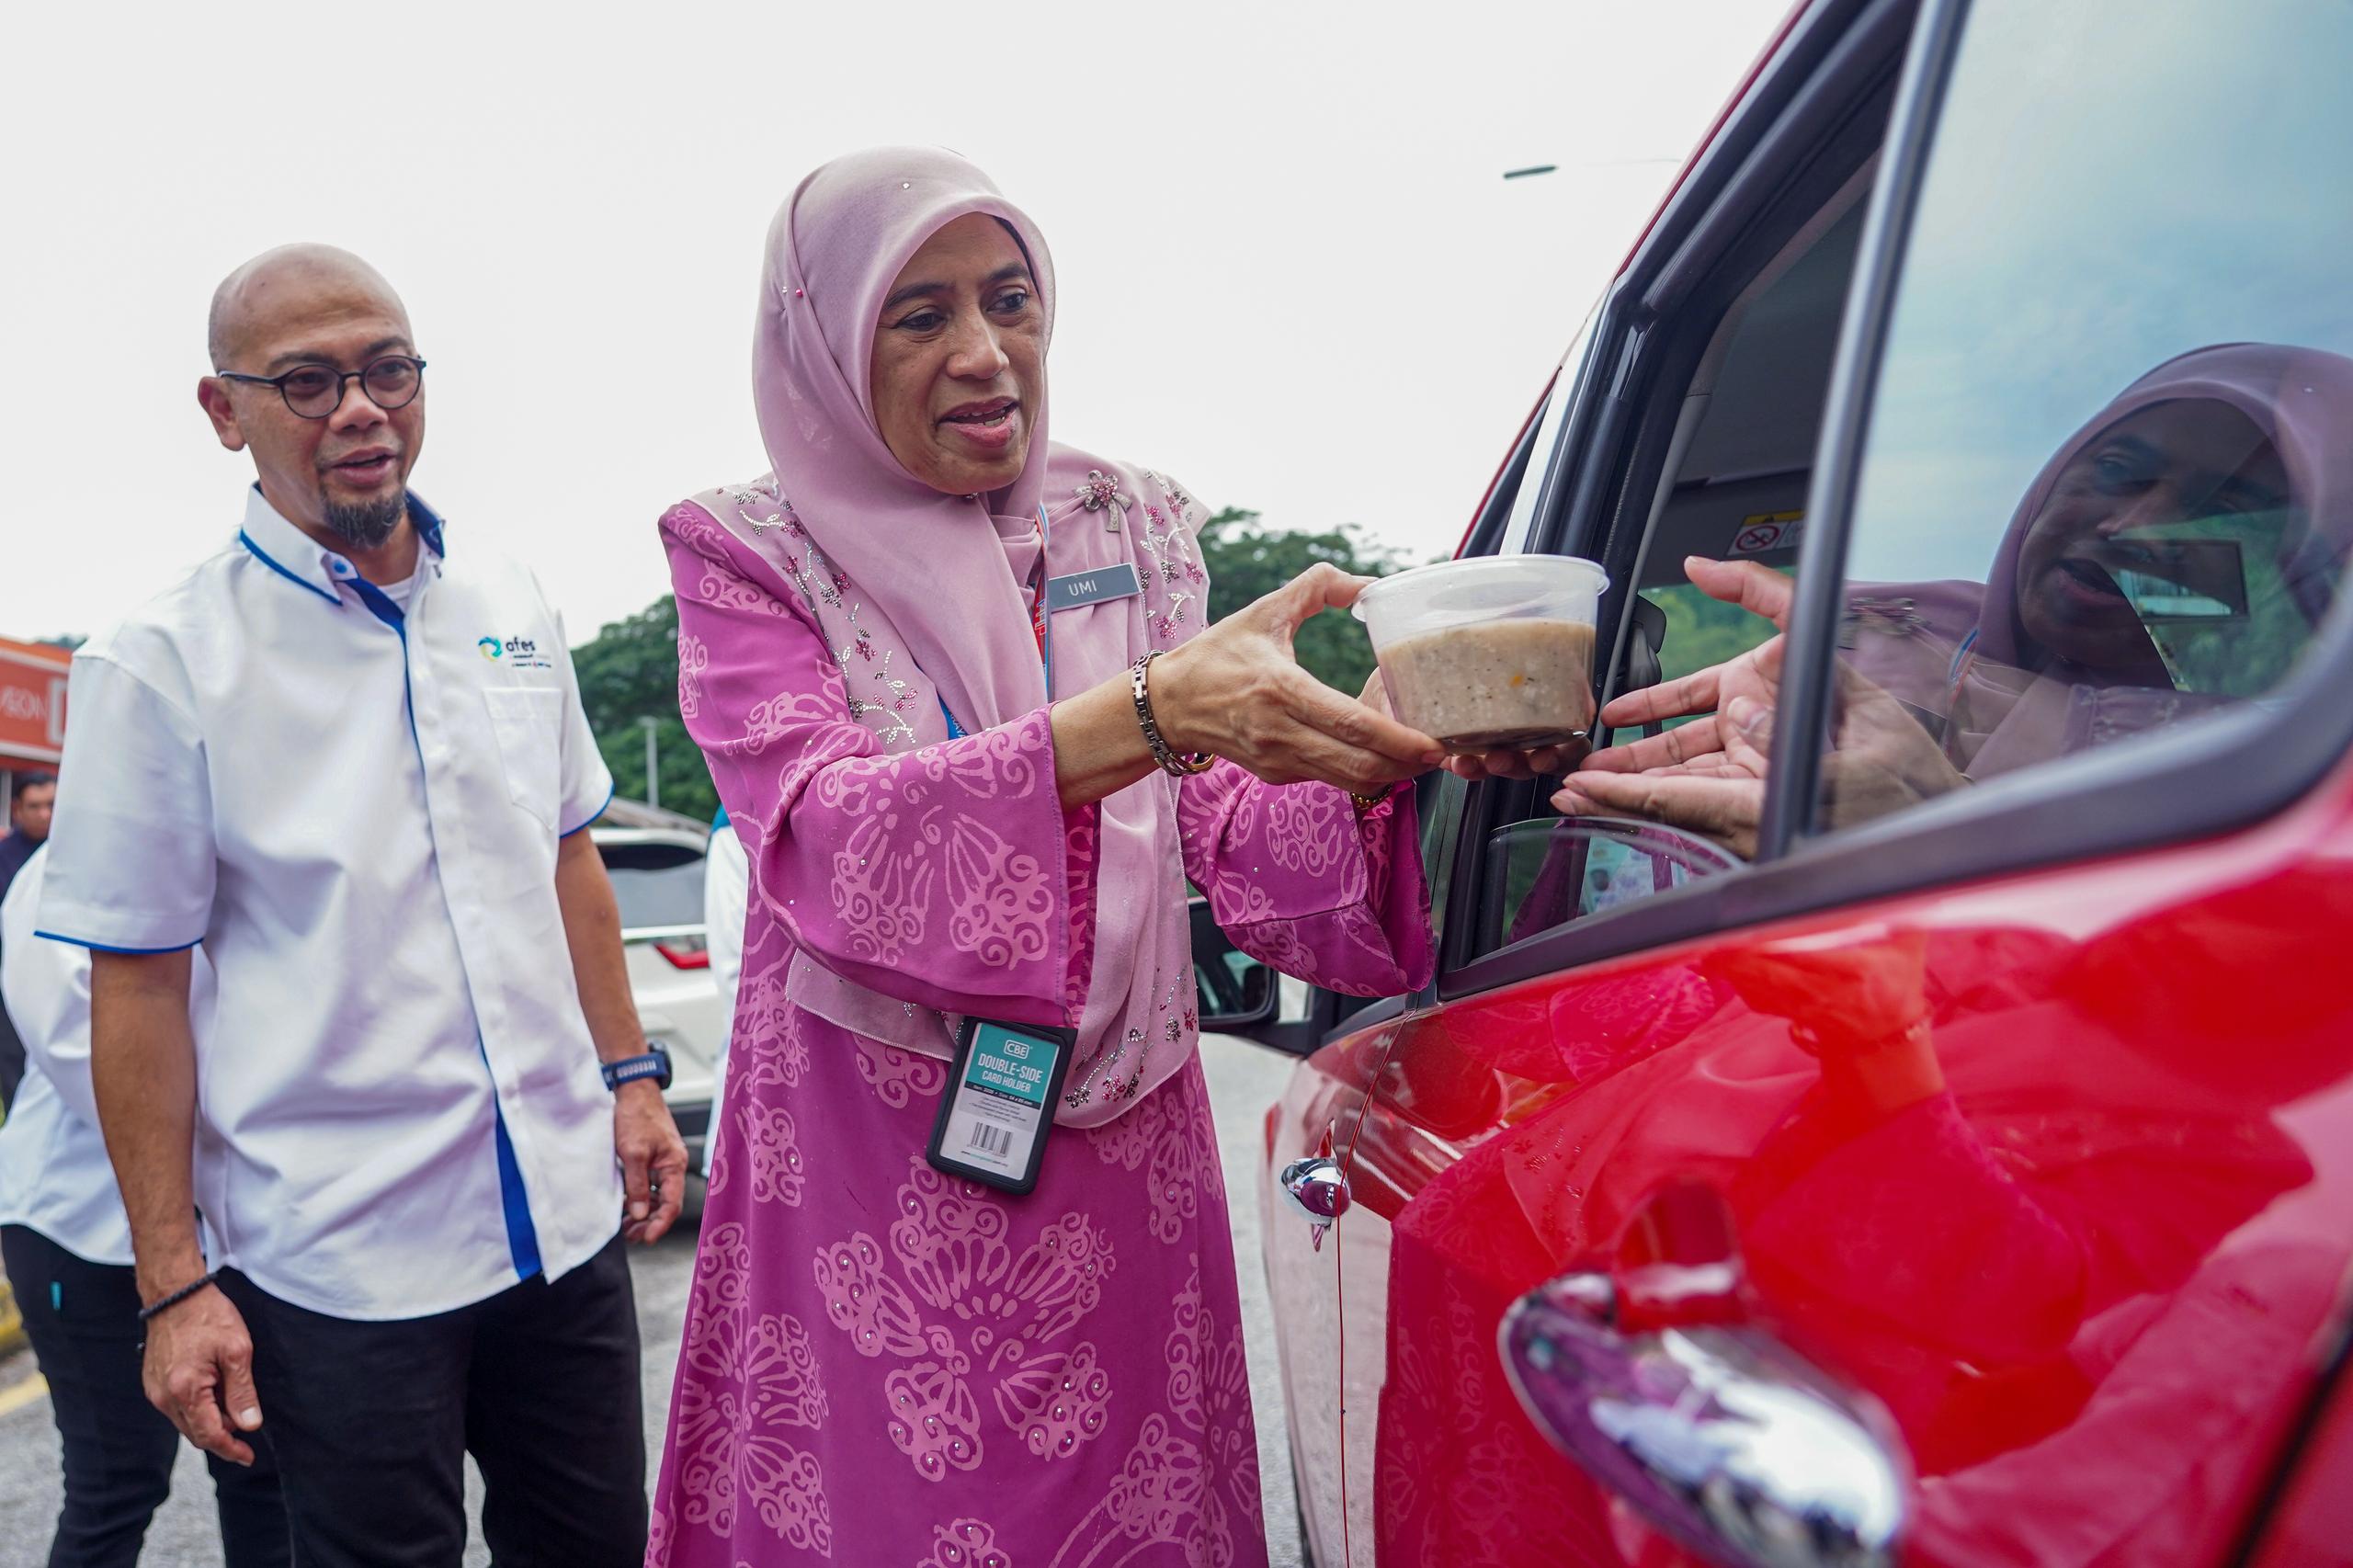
66,1243
726,893
32,800
345,753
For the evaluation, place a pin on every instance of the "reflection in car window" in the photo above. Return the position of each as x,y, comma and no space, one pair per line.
2107,486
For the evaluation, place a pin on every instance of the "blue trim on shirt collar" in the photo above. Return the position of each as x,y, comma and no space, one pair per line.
103,947
611,790
381,602
422,517
296,578
427,524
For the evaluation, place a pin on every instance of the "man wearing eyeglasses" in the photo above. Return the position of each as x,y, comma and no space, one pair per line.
347,753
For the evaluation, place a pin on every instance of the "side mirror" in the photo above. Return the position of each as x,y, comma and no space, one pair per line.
1235,992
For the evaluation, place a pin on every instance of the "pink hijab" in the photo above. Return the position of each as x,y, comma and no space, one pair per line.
833,253
939,581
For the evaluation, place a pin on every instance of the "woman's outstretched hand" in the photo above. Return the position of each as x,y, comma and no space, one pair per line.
1237,690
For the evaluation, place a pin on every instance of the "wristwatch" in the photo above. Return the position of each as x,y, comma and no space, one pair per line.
653,1065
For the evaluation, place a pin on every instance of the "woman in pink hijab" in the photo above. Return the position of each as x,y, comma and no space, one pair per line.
955,811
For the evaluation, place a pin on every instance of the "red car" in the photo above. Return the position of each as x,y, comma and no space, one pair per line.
1947,1158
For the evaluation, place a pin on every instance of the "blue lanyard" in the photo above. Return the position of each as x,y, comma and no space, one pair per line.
957,732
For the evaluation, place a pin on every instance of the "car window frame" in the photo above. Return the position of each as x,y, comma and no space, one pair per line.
1789,149
2199,789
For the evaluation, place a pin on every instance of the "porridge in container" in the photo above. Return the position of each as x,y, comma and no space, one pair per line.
1491,654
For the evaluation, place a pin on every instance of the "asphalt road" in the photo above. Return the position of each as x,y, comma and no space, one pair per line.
1243,1081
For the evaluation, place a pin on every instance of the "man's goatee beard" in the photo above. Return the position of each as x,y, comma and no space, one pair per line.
369,526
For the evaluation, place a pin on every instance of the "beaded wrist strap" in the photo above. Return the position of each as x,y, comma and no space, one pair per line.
1176,763
175,1297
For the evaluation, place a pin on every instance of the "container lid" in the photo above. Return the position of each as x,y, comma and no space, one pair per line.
1487,587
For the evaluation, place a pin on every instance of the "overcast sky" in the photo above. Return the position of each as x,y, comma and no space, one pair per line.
1291,273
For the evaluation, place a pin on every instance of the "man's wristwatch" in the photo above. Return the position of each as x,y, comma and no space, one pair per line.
653,1065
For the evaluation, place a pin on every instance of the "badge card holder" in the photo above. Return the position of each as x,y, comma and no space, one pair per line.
1000,1103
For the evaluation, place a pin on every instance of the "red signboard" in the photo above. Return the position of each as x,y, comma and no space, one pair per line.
32,703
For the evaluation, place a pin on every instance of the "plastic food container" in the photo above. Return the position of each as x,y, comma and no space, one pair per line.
1492,654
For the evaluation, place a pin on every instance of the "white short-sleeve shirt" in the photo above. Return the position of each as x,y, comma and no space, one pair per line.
54,1178
355,804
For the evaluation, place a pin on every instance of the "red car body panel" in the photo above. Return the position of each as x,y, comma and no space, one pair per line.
2082,1234
2313,1527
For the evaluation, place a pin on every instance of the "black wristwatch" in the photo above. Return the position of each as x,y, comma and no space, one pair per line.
653,1065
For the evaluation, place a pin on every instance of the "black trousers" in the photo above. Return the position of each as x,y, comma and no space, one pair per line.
83,1320
372,1421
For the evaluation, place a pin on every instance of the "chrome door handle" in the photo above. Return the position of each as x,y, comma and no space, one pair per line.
1715,1433
1318,1188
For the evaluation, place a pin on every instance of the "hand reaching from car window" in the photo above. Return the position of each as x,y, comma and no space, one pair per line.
1708,776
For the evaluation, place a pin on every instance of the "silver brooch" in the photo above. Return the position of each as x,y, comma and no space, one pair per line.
1100,493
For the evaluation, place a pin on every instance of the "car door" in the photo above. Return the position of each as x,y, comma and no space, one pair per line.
1331,1356
1965,1178
1316,1123
1439,1466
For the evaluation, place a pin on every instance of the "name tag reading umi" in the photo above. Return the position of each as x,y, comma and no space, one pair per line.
1000,1102
1094,587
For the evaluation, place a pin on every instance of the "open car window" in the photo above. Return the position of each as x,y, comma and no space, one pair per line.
1732,486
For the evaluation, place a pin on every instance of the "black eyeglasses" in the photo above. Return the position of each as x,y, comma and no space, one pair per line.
316,391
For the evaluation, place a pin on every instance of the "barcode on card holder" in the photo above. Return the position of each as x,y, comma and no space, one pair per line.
989,1140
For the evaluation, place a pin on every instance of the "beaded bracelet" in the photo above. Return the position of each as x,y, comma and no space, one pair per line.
1169,761
175,1297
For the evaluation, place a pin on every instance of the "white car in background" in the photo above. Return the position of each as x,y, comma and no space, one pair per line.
657,876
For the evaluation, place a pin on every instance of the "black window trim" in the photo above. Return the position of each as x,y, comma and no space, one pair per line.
1854,373
1800,114
2195,790
1603,386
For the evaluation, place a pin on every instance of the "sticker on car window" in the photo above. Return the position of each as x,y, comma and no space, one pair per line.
1767,531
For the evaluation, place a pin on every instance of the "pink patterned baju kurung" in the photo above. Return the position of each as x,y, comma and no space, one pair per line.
883,1365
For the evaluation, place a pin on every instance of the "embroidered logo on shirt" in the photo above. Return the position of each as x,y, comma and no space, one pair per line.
521,653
